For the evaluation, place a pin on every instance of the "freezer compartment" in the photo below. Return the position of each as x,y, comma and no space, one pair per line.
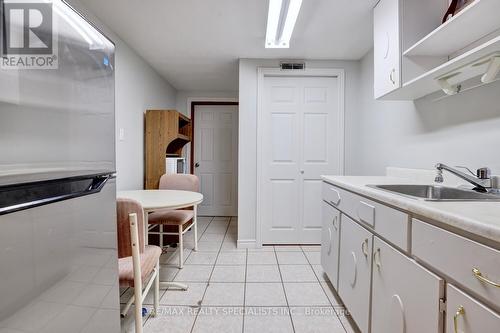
59,267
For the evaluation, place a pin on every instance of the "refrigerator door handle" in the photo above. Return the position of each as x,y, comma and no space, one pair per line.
28,195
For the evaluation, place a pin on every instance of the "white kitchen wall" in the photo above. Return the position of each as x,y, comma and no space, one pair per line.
183,96
137,88
458,130
247,182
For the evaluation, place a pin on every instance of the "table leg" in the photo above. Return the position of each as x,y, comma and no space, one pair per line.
195,226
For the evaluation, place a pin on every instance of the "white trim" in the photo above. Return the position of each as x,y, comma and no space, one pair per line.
262,72
247,244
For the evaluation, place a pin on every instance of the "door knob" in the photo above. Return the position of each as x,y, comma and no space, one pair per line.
302,171
197,165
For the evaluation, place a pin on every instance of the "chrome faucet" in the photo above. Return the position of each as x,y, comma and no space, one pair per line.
482,181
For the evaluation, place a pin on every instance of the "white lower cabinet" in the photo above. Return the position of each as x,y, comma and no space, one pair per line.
330,240
355,270
389,291
466,315
405,296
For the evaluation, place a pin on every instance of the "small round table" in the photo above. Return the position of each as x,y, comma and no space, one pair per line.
153,200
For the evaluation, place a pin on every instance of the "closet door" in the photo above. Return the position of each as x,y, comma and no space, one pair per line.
300,141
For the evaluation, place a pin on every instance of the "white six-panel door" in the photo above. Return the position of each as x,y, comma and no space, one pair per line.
300,141
215,157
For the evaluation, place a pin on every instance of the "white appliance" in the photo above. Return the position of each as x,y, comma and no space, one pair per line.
175,165
58,243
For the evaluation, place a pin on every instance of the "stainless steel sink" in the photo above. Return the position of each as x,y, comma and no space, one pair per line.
438,193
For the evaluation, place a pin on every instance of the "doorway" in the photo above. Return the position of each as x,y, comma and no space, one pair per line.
301,137
214,156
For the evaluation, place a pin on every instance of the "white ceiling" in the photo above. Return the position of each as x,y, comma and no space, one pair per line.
196,44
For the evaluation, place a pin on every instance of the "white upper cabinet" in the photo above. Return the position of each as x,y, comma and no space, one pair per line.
415,54
387,47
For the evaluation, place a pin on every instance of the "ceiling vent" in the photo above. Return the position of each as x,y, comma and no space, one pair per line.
292,66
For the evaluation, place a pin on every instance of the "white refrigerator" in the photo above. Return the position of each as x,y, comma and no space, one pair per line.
58,242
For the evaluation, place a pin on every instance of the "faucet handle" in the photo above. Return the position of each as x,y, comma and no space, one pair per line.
439,176
483,173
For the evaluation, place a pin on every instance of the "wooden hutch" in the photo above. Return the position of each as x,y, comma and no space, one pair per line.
166,132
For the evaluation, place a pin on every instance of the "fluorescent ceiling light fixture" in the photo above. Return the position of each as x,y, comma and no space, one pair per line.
281,20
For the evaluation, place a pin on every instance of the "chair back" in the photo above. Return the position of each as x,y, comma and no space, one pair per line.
124,207
181,182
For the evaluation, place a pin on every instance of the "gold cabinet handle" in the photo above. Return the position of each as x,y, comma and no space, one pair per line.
364,247
481,278
376,258
460,312
334,222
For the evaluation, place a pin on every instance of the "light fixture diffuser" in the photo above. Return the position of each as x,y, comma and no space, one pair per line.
281,19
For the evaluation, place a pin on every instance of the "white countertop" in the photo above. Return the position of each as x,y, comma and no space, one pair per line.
476,218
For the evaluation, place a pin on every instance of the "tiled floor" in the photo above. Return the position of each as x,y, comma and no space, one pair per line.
274,289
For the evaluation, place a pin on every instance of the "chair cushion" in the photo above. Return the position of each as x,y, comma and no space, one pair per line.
170,217
149,258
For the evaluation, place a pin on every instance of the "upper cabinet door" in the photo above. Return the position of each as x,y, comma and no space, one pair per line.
387,47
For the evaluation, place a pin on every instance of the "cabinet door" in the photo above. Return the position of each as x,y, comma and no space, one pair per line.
406,296
355,270
387,47
465,314
330,243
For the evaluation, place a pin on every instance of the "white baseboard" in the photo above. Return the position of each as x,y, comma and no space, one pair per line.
247,244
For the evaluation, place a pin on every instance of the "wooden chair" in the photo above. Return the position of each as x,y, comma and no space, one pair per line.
138,264
177,222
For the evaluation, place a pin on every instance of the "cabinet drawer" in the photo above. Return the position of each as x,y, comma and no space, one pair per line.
390,223
456,257
403,293
330,240
465,314
355,270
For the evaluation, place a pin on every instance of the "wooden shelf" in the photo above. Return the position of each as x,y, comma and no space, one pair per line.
166,132
475,21
183,137
427,83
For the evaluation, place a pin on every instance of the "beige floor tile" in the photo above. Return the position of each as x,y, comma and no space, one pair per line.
267,319
228,273
228,258
263,273
219,320
265,294
171,319
201,258
316,320
224,294
305,294
297,273
190,297
261,258
314,258
291,258
194,273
